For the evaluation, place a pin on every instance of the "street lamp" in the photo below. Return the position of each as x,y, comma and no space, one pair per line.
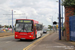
52,21
59,21
62,18
12,21
12,18
62,14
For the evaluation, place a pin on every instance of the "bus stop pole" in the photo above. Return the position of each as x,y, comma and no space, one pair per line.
59,21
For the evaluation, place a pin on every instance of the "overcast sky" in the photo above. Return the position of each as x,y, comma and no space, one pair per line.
40,10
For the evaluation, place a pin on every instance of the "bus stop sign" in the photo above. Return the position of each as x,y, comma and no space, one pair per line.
54,23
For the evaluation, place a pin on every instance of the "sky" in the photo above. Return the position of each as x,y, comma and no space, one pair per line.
40,10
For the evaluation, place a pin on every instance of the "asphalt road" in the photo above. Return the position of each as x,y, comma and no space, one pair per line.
9,43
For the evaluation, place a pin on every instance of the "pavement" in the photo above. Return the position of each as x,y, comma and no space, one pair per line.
52,42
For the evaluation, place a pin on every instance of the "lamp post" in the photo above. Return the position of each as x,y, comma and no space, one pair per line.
59,21
62,18
12,21
52,21
12,18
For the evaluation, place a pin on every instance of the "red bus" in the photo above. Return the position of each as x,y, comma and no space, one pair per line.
28,29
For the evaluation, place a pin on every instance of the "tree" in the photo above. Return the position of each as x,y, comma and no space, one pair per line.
6,26
69,3
10,26
49,27
0,26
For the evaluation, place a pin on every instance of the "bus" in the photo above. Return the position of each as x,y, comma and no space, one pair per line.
28,29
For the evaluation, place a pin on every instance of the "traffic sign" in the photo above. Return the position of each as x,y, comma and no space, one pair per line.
54,23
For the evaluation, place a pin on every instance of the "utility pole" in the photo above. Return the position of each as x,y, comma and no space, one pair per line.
62,18
59,21
12,21
52,21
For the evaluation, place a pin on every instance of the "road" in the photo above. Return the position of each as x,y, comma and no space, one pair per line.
9,43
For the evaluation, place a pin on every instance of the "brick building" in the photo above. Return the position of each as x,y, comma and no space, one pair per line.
69,11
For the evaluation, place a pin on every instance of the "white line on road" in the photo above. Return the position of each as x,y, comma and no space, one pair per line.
8,41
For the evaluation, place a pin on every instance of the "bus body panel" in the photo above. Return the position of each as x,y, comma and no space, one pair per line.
39,33
24,35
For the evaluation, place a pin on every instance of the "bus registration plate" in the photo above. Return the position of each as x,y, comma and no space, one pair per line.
22,38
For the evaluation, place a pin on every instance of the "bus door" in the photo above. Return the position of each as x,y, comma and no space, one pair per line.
34,30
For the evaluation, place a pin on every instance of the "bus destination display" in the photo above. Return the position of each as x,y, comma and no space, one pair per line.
23,21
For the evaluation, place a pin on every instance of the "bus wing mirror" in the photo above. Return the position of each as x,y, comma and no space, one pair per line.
14,28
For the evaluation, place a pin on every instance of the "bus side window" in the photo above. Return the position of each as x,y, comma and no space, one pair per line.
37,27
41,27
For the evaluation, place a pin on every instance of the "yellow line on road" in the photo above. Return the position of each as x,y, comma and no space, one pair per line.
26,48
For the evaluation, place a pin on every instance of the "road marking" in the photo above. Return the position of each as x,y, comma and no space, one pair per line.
8,41
26,48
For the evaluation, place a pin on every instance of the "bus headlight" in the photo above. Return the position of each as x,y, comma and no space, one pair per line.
16,35
30,36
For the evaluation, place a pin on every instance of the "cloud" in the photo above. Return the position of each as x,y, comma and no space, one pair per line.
3,1
40,10
48,19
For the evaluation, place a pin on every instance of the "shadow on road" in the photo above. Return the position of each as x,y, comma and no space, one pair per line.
25,40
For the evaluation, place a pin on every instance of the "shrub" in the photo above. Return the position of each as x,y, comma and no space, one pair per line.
63,29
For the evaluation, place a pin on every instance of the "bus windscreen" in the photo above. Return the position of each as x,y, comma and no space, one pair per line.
24,26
